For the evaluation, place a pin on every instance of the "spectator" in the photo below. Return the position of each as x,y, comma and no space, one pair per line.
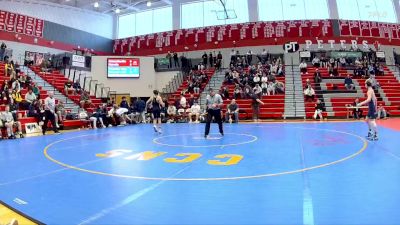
205,59
171,112
36,90
237,92
77,87
233,56
348,83
317,76
232,110
2,51
257,90
316,62
16,96
382,113
49,114
256,106
61,113
22,81
194,111
256,80
303,67
85,99
270,88
16,86
279,87
342,61
249,57
30,97
176,60
264,87
219,60
309,93
169,57
140,106
10,123
34,110
68,87
124,103
319,108
357,112
225,93
98,116
183,102
211,59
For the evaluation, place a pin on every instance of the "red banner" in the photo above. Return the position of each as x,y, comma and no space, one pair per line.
19,27
39,28
3,17
10,22
13,22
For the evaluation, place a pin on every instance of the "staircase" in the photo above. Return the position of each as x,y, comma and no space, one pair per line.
68,103
294,99
215,83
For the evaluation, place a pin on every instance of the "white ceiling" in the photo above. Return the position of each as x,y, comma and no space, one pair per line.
109,6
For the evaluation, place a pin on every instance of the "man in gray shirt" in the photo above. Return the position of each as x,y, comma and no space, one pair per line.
214,103
49,113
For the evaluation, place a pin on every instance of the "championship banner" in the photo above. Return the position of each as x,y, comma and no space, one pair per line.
3,17
29,26
39,28
20,26
10,22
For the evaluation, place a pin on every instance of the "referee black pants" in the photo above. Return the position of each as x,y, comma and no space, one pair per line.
214,113
49,116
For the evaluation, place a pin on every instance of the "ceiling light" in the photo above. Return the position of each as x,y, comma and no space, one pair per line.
148,3
117,10
96,4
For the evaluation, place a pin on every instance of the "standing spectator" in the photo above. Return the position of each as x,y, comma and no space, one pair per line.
256,106
219,60
357,112
140,106
249,57
61,113
348,83
205,59
233,56
49,113
176,60
2,51
232,110
317,76
169,57
211,59
319,108
382,113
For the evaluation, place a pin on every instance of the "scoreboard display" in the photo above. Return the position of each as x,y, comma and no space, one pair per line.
123,68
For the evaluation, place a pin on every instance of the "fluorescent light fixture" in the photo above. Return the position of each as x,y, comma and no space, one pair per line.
148,3
117,10
96,4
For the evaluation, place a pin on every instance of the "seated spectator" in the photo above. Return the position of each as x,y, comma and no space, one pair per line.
303,67
373,81
61,113
381,71
30,97
319,108
359,72
317,76
237,92
348,83
316,62
191,101
195,111
308,83
196,87
264,87
77,87
22,81
68,87
279,87
280,72
382,113
256,80
342,61
10,123
309,93
182,102
16,96
124,103
232,110
257,90
16,86
357,112
171,113
85,99
36,90
98,116
225,92
270,88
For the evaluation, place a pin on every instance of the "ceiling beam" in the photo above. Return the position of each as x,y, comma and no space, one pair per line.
167,2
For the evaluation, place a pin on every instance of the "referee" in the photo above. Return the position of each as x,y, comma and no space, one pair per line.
213,105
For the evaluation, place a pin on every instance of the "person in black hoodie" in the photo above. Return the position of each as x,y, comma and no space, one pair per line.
124,103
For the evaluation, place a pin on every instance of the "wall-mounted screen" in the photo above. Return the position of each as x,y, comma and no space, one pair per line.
123,68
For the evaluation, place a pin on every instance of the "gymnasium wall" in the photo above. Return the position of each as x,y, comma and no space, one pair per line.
143,86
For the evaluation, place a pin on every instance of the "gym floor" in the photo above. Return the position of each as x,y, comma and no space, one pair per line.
274,173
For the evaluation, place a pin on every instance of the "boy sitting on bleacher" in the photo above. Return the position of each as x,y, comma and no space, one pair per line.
8,122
